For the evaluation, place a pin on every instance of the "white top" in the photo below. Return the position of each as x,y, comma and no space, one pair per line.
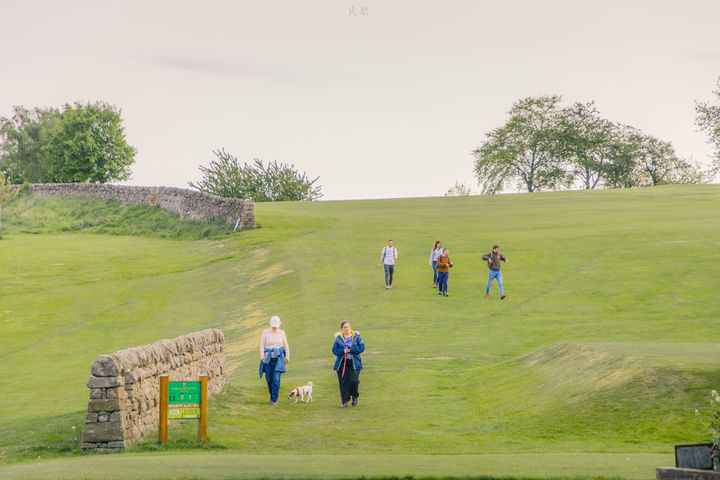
270,339
389,255
435,254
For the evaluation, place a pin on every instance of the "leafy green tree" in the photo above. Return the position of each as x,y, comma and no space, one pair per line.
637,159
87,143
525,150
77,143
585,140
708,120
621,171
658,164
227,176
22,137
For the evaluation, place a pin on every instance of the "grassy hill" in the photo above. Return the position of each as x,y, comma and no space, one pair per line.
594,365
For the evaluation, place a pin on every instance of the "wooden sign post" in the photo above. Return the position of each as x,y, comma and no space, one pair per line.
202,424
164,410
183,401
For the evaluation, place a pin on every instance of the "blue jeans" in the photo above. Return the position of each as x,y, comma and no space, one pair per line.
273,380
434,269
442,278
495,275
389,270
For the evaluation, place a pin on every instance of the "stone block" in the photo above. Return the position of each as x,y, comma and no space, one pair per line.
102,432
131,377
97,393
119,393
104,382
105,366
107,405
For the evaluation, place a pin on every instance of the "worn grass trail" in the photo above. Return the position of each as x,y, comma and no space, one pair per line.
606,344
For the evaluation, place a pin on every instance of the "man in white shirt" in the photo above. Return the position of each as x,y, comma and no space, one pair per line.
388,257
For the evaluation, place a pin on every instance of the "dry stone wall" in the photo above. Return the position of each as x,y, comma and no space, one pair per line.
188,204
125,386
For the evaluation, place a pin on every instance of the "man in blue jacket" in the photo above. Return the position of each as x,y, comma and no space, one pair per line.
347,347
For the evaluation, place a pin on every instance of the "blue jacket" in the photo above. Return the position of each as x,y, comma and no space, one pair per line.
271,353
356,348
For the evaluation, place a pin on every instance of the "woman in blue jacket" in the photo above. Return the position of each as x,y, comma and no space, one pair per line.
347,347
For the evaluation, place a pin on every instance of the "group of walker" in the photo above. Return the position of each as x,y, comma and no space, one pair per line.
348,345
441,264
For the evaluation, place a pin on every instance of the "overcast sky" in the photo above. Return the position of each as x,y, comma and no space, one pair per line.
379,98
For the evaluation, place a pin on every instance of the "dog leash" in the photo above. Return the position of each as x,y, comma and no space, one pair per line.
342,374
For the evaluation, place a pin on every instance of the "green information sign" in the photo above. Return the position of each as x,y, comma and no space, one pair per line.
183,400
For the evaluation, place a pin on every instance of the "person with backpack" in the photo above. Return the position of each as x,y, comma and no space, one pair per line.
444,264
434,255
347,347
493,260
388,257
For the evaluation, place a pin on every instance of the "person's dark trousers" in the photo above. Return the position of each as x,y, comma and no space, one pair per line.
273,380
443,282
389,270
349,382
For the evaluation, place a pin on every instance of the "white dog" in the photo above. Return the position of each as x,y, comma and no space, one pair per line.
303,393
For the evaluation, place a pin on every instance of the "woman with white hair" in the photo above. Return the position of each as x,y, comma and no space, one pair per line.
274,354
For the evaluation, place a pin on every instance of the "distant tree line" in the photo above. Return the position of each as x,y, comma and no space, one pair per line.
75,143
544,145
260,181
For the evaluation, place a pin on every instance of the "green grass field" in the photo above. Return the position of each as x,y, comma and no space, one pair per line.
594,365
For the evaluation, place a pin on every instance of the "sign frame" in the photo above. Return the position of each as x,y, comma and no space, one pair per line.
202,407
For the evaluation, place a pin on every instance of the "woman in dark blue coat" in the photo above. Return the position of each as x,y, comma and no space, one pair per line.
347,347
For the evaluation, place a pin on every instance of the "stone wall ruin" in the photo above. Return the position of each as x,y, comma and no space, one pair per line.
188,204
125,386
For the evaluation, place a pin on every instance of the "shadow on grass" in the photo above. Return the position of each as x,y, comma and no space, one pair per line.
411,477
44,438
40,438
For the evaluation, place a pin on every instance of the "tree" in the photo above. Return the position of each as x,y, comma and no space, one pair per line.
585,139
620,171
636,159
525,149
459,190
78,143
7,193
22,136
708,120
658,164
227,176
87,144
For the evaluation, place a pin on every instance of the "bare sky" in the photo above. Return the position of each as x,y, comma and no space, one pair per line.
379,98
